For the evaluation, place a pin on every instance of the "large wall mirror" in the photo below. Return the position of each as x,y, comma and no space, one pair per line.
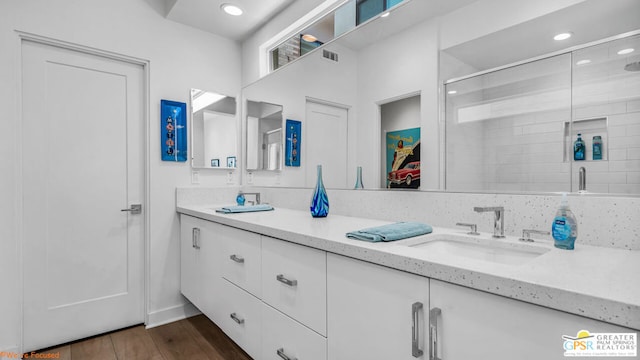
466,138
214,130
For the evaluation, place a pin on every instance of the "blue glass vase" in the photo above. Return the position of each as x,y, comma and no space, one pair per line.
320,200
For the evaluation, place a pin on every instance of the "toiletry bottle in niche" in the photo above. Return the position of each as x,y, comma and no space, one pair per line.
565,227
597,147
579,149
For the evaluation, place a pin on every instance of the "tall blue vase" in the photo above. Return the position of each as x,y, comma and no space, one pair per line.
320,200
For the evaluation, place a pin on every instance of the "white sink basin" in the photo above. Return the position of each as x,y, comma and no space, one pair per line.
489,250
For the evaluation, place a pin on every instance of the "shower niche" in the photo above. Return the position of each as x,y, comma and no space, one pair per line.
587,128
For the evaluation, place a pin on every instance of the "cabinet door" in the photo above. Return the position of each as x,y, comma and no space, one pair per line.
190,237
200,275
294,281
375,312
479,325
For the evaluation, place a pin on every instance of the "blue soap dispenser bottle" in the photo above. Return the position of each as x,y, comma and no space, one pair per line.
565,227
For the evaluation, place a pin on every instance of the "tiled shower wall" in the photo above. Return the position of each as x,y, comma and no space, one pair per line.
512,130
621,172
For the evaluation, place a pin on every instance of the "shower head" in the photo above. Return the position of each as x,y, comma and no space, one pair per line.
634,66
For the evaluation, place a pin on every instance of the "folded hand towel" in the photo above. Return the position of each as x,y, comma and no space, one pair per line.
242,209
397,231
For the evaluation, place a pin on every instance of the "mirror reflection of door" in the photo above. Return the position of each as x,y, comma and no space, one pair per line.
264,136
327,144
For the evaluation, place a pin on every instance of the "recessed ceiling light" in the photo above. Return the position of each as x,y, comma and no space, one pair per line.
625,51
583,62
385,14
231,9
451,92
562,36
309,38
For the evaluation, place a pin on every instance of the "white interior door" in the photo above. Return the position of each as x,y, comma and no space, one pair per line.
82,161
326,145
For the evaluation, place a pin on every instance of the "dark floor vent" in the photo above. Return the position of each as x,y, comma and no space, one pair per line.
330,55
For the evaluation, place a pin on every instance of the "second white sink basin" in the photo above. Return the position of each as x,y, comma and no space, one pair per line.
489,250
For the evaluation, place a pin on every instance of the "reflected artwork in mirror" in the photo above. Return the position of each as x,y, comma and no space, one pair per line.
214,130
264,136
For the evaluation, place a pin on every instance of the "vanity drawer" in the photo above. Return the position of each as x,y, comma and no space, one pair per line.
241,258
241,318
285,338
294,281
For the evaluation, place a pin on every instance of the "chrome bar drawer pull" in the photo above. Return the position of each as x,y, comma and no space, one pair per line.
415,330
286,281
284,356
195,238
237,259
236,318
433,333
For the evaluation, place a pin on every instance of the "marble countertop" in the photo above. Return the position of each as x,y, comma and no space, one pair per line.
595,282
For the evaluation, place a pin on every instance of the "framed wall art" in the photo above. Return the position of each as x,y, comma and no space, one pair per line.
293,137
173,130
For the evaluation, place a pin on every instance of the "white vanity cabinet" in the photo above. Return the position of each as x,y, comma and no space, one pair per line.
375,312
281,300
471,324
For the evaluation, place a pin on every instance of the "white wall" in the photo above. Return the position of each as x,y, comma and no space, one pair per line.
180,58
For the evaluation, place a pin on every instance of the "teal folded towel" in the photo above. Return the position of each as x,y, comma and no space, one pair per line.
243,209
391,232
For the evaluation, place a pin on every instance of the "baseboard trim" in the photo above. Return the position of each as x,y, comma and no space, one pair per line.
171,314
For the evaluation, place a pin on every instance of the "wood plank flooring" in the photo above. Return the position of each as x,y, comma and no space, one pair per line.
193,338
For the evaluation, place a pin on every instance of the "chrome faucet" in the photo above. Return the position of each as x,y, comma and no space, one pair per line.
498,224
257,197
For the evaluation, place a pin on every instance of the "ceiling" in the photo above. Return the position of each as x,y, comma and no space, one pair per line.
589,21
207,15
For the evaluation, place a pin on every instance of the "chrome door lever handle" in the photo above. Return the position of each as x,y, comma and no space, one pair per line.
134,209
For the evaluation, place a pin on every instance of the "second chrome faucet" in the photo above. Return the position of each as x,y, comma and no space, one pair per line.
498,224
